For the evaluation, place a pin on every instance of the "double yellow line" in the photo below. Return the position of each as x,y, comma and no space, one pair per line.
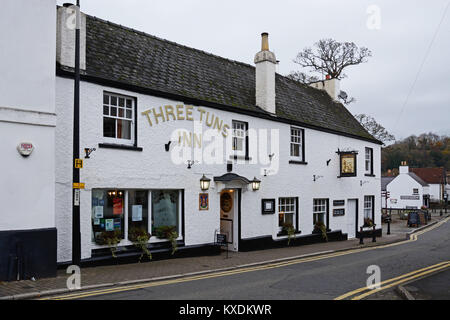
361,293
85,294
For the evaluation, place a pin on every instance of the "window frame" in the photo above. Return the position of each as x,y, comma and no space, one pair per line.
245,144
301,136
294,212
368,171
370,209
132,142
326,212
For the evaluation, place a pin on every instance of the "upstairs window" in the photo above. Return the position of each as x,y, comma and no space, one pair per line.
240,139
118,118
297,147
369,161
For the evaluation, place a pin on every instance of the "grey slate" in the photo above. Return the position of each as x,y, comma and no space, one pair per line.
123,55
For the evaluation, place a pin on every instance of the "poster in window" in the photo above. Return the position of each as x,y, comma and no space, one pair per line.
117,224
136,212
98,212
348,164
203,201
96,222
117,206
109,225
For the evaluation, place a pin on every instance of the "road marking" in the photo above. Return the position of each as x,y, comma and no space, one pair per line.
404,277
79,295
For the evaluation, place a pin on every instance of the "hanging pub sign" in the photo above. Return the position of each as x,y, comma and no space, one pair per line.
25,148
347,163
203,201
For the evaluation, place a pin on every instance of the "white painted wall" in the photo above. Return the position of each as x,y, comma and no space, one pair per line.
403,185
153,168
435,192
27,113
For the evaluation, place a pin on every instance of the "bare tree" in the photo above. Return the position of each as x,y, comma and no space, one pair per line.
302,77
374,128
331,57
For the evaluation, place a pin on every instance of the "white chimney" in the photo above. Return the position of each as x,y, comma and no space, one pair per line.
65,37
331,86
403,168
265,76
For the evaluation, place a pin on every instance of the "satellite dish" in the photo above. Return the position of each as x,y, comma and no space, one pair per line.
343,95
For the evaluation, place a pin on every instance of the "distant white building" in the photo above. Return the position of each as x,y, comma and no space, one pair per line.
405,191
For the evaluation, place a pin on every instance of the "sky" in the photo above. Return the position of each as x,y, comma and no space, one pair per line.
405,85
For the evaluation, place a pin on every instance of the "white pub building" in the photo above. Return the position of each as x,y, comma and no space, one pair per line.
174,137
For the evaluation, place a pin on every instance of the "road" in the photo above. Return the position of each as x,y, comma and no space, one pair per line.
339,275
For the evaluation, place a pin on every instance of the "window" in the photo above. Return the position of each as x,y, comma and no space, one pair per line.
320,209
118,118
287,212
239,136
165,209
107,213
297,149
368,207
115,211
415,191
137,211
369,161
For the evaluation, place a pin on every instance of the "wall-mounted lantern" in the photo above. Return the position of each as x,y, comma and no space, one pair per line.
204,183
256,184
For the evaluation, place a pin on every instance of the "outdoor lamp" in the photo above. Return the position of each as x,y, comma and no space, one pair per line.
204,183
256,184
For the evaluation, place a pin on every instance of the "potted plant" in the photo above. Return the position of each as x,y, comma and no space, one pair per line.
319,227
368,223
140,238
111,239
288,229
169,233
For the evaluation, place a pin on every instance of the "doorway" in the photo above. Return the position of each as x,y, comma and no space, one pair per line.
352,217
229,213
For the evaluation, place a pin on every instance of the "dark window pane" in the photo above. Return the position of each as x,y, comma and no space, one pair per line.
105,99
113,111
121,102
107,213
137,213
129,113
106,110
121,112
113,101
109,127
129,103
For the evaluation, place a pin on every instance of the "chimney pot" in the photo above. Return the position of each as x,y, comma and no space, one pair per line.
264,41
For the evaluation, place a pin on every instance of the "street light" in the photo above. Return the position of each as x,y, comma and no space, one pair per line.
204,183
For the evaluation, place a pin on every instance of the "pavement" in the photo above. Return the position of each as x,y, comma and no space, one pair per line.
117,275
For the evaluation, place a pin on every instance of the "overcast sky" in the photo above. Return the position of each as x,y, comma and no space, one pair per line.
412,36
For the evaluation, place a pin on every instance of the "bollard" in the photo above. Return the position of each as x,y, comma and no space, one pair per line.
361,236
389,226
374,238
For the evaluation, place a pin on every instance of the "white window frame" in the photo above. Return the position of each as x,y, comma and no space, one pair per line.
109,105
368,163
239,131
368,207
320,207
288,206
296,140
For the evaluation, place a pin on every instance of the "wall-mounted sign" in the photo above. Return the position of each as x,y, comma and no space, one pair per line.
78,163
338,203
25,148
268,206
79,185
410,197
338,212
203,201
348,164
393,200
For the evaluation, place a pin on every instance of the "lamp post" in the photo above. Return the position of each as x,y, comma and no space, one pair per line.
76,234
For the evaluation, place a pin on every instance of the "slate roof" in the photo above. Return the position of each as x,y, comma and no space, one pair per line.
430,175
126,56
385,181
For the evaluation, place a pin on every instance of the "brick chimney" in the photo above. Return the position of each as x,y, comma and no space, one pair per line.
265,76
65,37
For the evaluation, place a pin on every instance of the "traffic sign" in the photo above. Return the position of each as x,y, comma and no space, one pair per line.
78,185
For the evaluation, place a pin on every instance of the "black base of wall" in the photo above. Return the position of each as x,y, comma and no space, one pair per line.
369,233
267,242
131,254
27,253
